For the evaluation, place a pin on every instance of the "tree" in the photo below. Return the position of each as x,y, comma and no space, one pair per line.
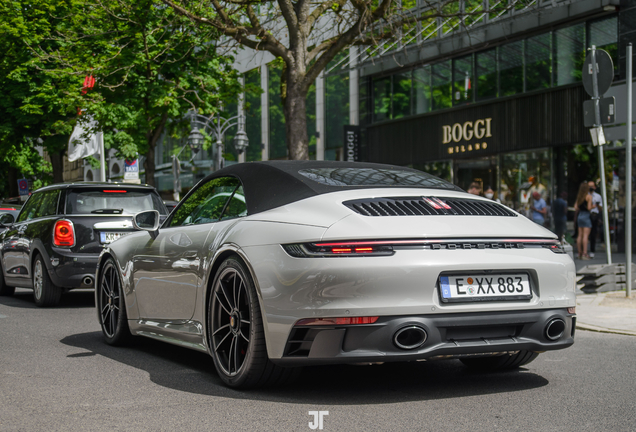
38,107
150,68
308,35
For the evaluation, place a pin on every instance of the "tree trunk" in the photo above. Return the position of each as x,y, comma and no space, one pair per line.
57,163
295,109
153,137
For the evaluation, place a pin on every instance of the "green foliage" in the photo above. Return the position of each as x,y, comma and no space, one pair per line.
150,65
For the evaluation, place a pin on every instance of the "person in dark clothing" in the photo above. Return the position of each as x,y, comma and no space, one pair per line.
560,213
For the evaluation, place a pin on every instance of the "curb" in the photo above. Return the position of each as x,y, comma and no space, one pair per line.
588,327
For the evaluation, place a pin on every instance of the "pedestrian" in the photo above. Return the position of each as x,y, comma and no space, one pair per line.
474,188
490,194
583,205
560,214
595,216
538,208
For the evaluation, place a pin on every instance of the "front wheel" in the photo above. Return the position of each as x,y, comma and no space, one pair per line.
111,306
45,293
503,362
235,331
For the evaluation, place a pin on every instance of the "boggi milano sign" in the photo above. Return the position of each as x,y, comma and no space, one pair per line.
459,135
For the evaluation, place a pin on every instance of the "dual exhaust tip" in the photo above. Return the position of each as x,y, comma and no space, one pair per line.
413,337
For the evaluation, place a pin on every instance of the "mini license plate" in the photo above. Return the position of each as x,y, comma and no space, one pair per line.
107,237
485,287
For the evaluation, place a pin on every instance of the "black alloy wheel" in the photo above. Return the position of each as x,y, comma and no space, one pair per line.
110,303
45,292
232,320
236,336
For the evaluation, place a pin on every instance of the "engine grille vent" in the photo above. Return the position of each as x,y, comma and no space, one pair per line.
427,206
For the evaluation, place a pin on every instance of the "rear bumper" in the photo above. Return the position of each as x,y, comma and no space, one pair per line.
447,335
69,270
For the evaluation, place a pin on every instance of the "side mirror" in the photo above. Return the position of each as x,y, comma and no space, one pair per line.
147,220
6,219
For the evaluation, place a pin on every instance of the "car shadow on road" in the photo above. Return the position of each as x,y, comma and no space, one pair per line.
191,371
23,298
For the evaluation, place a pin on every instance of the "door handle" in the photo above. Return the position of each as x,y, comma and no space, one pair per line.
190,255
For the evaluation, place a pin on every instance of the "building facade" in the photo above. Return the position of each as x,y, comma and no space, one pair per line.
493,96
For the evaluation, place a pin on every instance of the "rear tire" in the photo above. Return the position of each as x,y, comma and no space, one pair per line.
236,335
111,306
5,290
45,293
503,362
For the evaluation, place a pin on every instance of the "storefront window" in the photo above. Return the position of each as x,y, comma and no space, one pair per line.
310,113
382,99
486,64
401,100
521,174
462,80
538,62
604,34
511,68
442,85
569,47
253,114
479,170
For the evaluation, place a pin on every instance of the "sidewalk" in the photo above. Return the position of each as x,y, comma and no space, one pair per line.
610,312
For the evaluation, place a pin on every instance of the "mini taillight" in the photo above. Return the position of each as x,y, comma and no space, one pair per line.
337,321
64,233
556,248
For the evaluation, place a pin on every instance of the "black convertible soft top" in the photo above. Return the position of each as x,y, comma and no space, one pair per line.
272,184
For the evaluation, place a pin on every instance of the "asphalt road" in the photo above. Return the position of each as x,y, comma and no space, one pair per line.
56,374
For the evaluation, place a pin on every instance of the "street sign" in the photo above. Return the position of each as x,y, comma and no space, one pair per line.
604,72
608,110
131,169
23,187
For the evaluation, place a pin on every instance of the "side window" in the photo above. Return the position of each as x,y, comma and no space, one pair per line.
30,208
206,204
236,207
49,203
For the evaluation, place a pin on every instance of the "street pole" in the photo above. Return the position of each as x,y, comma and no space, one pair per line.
601,157
628,179
102,158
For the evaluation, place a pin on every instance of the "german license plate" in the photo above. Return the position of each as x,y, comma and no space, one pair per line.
107,237
485,287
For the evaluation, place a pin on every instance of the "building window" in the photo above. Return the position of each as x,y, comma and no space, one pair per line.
511,69
382,99
569,54
422,90
337,112
462,80
277,133
487,79
604,34
401,95
253,115
441,80
538,62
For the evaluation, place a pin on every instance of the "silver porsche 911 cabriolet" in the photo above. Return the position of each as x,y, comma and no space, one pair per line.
268,266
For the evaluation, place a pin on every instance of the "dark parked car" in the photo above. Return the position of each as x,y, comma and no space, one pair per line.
55,241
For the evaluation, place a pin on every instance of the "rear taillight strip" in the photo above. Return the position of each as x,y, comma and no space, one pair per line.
388,247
